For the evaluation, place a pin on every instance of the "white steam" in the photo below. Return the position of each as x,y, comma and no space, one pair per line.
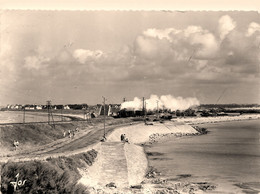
165,101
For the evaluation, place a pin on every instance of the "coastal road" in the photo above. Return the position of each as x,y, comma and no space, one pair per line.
66,146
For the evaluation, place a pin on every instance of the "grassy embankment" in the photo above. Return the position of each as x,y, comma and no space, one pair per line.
37,134
56,175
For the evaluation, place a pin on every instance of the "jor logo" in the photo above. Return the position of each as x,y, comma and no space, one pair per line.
18,183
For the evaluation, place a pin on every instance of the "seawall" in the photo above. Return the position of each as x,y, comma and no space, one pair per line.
135,156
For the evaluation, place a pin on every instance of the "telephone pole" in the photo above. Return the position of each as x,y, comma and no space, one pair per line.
145,112
84,113
48,109
24,114
61,117
157,109
143,106
50,116
104,104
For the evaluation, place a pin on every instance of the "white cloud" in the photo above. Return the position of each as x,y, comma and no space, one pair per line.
252,28
161,33
206,45
226,25
82,55
35,62
177,44
193,30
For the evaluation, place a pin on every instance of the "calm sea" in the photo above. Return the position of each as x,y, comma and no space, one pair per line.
228,155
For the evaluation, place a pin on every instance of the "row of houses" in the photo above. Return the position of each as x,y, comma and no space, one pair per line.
110,109
40,107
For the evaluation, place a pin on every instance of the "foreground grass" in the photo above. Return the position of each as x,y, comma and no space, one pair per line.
56,175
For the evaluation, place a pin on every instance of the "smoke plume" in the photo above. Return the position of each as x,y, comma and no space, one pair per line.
165,101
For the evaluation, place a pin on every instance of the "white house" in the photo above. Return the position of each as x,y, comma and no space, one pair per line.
66,107
38,107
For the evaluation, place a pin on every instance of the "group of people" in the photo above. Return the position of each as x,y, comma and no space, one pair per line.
124,138
15,144
71,133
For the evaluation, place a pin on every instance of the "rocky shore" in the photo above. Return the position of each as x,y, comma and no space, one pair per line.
165,136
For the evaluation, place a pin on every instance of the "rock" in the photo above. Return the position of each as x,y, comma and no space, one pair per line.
136,187
111,185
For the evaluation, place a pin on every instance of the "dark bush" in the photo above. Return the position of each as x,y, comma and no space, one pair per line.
57,175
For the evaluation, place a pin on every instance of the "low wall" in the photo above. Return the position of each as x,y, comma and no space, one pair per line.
140,133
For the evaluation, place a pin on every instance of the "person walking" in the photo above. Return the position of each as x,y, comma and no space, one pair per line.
122,137
73,133
15,144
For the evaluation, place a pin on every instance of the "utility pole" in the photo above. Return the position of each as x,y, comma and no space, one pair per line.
24,114
157,109
145,112
48,109
61,117
143,107
50,116
104,104
84,113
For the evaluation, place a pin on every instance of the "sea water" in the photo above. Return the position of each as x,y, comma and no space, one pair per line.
228,156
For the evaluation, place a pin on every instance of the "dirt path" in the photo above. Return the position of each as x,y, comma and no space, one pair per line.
82,142
114,165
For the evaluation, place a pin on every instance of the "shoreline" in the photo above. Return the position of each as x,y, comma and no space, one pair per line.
184,183
217,119
136,157
141,176
139,138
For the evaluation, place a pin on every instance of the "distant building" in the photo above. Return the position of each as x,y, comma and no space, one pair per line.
38,107
29,107
114,109
66,107
18,107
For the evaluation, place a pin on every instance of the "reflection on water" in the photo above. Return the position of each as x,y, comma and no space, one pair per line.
229,154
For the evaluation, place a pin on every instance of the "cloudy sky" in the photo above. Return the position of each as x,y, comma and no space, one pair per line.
80,56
